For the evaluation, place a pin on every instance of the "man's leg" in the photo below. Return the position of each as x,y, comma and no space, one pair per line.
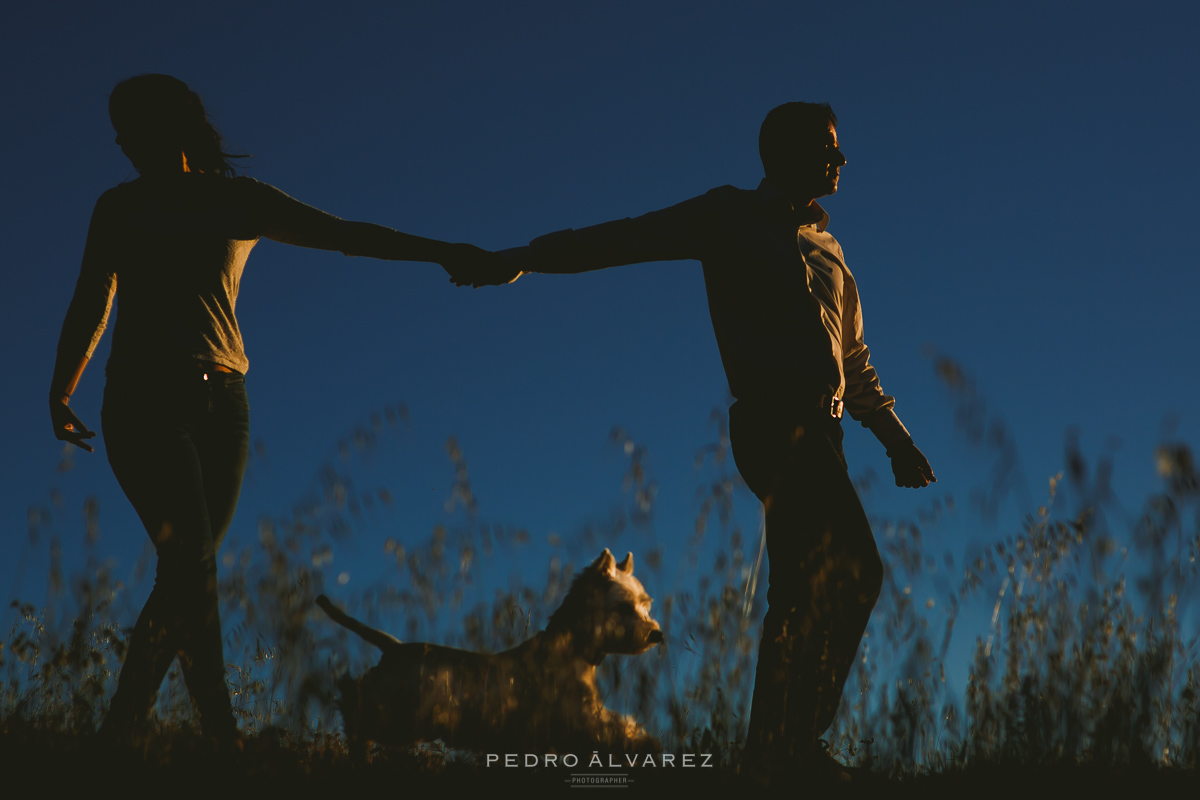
825,575
840,575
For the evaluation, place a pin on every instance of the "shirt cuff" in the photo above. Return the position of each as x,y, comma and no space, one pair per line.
887,427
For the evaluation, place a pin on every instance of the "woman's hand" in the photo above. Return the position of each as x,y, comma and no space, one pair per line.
67,426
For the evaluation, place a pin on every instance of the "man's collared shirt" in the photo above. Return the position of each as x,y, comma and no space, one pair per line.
784,306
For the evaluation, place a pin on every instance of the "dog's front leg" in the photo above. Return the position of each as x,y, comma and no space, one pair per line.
638,741
623,733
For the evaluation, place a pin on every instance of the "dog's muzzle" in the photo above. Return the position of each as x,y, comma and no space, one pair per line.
655,637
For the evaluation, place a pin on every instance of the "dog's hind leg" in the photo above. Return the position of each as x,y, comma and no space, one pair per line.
351,707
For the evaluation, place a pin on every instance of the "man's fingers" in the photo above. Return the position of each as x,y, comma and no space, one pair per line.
911,468
927,471
913,477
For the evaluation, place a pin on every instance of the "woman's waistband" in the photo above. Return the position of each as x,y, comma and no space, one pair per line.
185,370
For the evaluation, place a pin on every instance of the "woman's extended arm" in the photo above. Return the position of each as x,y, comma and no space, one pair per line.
285,219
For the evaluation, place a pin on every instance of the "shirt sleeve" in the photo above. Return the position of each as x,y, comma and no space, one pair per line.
682,231
864,397
91,303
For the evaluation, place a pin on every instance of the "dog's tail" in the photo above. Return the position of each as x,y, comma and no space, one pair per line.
374,636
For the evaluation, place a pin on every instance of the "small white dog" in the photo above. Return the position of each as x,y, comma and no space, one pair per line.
538,697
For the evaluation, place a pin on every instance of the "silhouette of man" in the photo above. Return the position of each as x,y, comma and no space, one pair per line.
786,314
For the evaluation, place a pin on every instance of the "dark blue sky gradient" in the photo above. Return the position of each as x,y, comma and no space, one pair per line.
1020,196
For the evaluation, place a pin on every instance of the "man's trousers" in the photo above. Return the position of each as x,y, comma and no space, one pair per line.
825,574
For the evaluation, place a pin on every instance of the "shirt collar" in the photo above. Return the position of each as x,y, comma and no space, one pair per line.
774,202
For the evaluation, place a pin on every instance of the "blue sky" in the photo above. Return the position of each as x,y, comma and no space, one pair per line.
1018,197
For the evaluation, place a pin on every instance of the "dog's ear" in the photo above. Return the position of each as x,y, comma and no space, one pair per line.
605,562
626,565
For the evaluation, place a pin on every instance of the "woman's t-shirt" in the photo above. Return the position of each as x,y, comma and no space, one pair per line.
172,249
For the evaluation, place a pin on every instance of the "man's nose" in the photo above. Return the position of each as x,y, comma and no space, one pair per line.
839,159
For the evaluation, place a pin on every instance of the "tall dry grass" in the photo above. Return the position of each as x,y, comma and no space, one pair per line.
1084,622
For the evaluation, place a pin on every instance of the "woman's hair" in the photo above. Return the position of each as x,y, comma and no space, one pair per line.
163,107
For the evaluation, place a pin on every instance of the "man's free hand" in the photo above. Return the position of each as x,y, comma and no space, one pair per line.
910,466
468,265
67,426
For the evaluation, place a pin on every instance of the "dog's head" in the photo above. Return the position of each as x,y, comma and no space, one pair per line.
608,609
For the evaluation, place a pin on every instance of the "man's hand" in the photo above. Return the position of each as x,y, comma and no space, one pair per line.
469,265
67,426
910,466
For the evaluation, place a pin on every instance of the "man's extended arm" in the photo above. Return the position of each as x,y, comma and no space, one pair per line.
681,231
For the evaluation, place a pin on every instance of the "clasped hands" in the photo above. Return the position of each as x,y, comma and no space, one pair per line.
468,265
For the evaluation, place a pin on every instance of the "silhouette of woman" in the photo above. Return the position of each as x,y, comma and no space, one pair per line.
175,417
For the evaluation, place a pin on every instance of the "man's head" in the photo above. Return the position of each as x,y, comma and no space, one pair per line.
799,149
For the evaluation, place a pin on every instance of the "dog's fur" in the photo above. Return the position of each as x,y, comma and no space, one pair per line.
538,697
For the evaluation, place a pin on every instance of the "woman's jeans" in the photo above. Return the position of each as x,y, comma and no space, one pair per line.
178,442
825,574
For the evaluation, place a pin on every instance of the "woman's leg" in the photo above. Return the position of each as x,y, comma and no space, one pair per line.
178,451
224,445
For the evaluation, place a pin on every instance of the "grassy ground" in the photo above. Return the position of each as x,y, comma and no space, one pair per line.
60,765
